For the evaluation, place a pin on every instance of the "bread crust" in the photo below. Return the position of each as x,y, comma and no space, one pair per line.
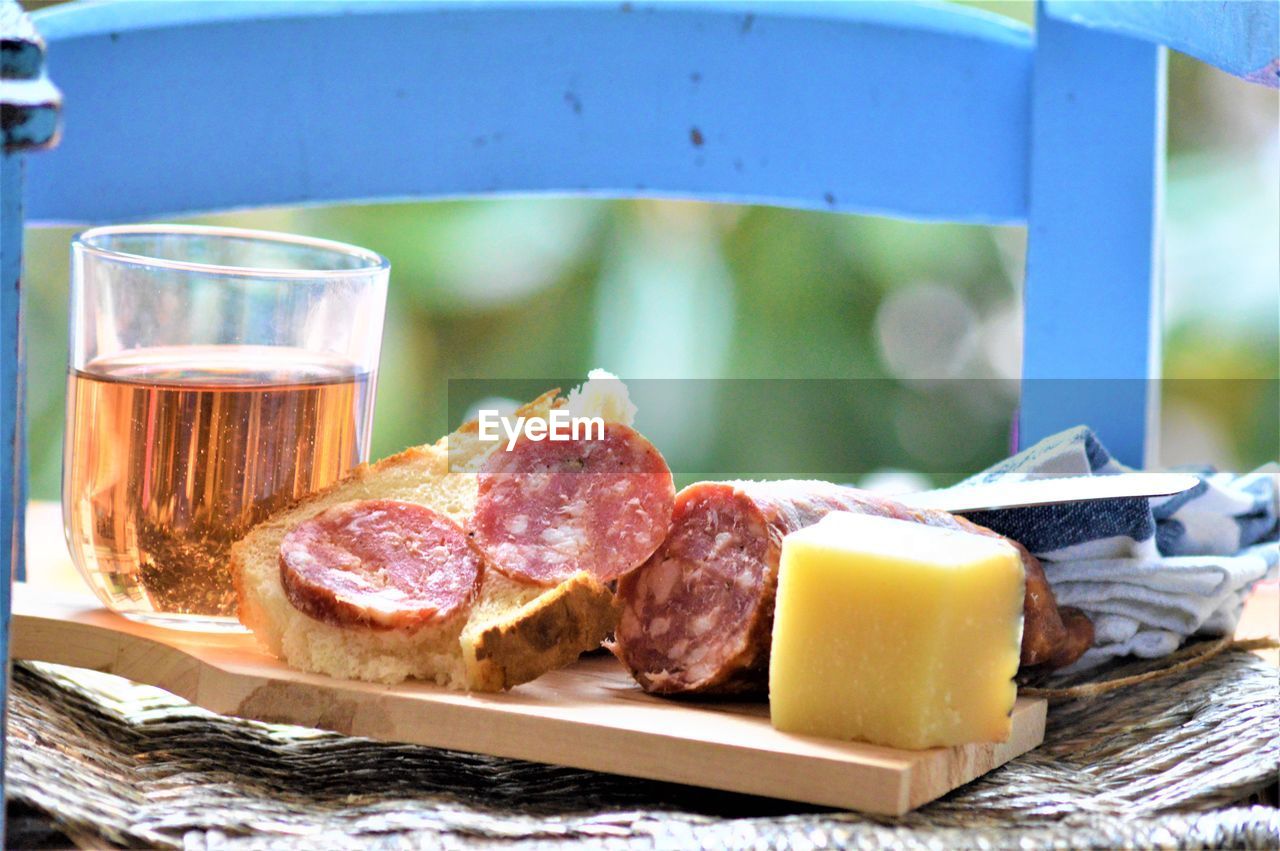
549,632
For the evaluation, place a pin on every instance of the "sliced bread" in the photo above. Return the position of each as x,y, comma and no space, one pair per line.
512,632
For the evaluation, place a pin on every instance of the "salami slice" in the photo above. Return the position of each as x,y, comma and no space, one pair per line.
697,617
547,509
379,564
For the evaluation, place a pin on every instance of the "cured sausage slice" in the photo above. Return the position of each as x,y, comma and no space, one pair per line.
379,564
697,617
547,509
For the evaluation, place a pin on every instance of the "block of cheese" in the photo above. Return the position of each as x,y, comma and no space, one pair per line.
895,633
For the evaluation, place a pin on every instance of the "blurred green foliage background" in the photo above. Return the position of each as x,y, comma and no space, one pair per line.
550,287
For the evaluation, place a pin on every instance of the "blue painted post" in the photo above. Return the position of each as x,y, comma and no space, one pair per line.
1241,37
28,120
11,426
1091,350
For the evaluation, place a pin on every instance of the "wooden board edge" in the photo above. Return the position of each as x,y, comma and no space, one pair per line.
972,761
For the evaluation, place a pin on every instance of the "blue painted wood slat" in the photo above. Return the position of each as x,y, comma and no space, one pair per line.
1241,37
28,121
12,498
1092,298
805,104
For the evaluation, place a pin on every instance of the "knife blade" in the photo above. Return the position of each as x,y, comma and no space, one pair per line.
1017,491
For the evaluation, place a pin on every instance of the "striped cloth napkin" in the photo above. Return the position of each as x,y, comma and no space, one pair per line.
1149,572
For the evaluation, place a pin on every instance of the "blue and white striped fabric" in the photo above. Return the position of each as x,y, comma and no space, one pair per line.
1148,572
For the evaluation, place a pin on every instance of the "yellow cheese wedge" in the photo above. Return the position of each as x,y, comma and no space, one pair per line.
895,633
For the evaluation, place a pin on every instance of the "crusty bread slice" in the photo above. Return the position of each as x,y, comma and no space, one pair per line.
549,632
534,629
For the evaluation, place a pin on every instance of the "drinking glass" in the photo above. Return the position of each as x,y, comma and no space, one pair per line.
216,375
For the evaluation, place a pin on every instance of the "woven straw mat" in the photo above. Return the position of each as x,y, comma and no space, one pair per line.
1161,764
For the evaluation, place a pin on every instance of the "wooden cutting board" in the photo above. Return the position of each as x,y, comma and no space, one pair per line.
590,716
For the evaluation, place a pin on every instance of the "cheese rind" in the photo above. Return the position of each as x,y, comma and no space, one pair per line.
896,633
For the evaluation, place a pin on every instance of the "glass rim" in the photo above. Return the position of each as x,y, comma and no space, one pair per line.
374,262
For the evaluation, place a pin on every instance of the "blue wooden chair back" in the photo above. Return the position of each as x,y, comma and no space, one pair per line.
906,109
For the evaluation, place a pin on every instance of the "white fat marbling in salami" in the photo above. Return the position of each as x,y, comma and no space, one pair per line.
547,509
380,564
697,617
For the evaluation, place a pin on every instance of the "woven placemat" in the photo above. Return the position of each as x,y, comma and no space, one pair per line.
1163,764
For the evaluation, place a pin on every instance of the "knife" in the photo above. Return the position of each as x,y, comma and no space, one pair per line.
1018,491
